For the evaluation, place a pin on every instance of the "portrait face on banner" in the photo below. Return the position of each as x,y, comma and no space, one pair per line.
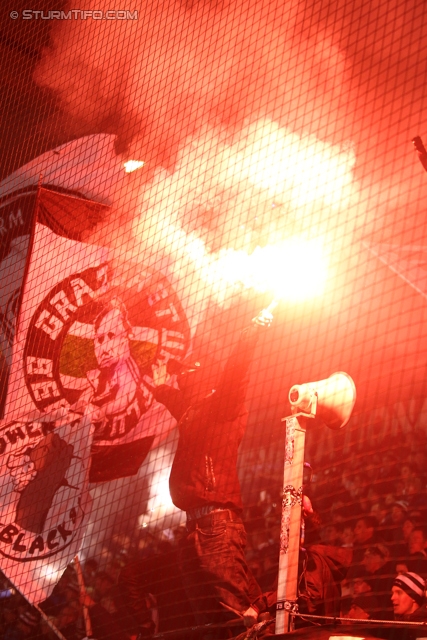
111,342
88,341
91,343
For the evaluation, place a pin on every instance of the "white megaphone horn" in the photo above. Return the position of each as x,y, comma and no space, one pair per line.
331,400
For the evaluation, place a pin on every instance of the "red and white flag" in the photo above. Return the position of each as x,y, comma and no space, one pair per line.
87,340
44,501
16,219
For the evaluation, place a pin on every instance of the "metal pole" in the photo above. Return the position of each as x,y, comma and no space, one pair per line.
86,615
287,588
49,623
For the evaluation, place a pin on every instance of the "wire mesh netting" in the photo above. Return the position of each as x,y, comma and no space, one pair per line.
204,206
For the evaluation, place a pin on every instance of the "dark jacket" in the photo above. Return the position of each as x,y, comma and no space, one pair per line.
420,616
381,582
320,573
204,470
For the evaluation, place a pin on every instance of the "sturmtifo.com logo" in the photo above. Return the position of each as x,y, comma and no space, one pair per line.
74,14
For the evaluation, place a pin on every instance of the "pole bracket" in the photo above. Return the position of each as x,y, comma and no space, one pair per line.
287,605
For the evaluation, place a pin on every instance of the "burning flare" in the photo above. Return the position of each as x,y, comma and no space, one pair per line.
252,211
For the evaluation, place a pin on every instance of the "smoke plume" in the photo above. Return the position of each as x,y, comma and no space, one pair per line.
258,122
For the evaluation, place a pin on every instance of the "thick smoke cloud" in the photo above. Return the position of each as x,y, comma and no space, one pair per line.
257,121
180,64
244,110
182,61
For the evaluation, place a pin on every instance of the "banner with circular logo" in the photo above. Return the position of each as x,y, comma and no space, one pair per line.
89,339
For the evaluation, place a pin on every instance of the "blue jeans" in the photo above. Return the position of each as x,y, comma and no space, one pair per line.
215,573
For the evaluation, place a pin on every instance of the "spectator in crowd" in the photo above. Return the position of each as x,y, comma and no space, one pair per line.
347,537
90,569
332,535
408,597
362,607
67,620
364,537
379,572
322,569
360,582
8,613
416,495
378,509
104,623
401,566
400,550
360,596
25,627
398,515
417,559
407,473
408,526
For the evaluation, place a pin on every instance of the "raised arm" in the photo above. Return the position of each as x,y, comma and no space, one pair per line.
172,399
231,390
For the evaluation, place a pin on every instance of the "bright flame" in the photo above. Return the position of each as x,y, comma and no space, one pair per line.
293,270
133,165
160,503
251,212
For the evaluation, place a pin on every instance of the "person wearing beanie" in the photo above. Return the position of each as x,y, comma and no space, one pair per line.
408,597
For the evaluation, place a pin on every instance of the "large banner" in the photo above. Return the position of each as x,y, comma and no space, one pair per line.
16,219
66,213
89,339
44,502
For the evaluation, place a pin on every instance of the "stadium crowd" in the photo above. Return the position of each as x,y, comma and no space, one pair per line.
374,506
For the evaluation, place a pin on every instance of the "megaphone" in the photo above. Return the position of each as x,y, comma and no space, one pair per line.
331,400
